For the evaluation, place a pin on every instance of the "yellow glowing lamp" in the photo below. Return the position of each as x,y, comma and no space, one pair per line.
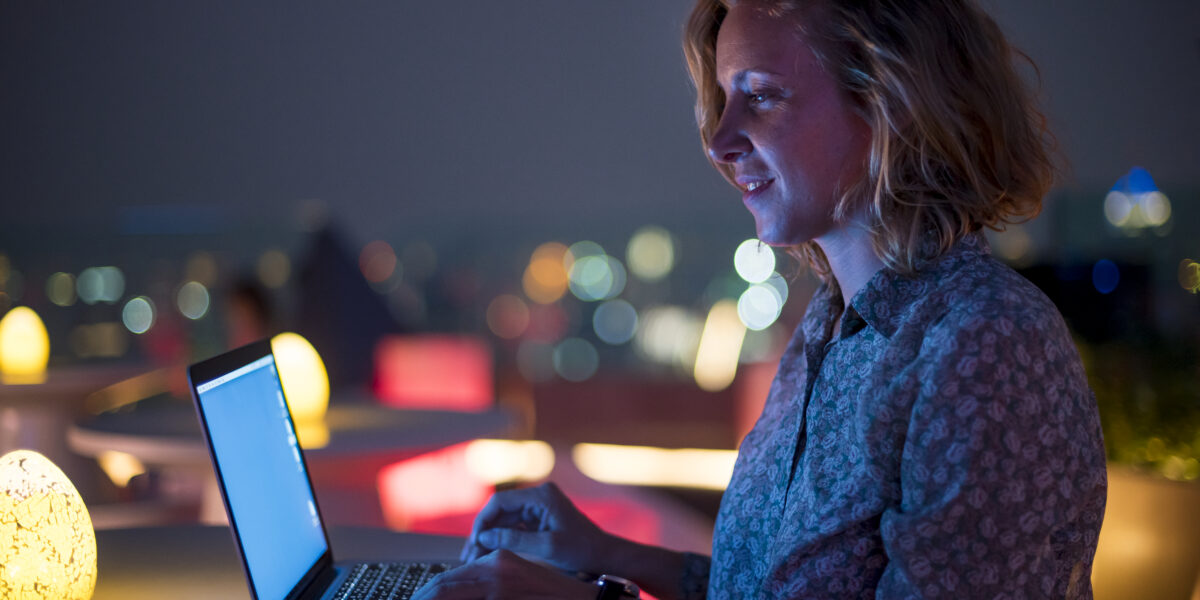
305,385
24,347
47,544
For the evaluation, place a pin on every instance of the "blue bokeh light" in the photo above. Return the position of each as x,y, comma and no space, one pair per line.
1105,276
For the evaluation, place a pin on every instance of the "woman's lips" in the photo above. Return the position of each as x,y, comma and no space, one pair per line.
753,189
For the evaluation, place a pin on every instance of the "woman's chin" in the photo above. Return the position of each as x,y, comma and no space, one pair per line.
773,237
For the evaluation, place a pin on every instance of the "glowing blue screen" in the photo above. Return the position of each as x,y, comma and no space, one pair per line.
263,476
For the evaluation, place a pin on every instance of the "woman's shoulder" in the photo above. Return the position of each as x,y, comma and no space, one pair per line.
967,283
989,323
975,304
966,288
985,288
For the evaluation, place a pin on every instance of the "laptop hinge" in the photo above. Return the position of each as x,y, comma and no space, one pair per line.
318,585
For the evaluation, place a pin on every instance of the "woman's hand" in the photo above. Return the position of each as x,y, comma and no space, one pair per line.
543,523
503,574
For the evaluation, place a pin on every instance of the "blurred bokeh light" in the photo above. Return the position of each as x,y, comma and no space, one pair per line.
615,322
60,289
418,493
508,316
1105,276
100,284
1189,275
504,461
202,267
1135,203
754,261
760,305
650,253
107,339
120,467
545,278
594,275
443,372
575,359
273,268
720,347
24,347
193,300
377,261
138,315
666,467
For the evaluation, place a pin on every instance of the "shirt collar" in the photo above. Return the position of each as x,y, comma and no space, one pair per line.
886,298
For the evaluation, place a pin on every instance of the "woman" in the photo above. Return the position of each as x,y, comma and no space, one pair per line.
933,437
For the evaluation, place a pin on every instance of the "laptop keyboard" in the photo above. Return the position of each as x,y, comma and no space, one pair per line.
387,581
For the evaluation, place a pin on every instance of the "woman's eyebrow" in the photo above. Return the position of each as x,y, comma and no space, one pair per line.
741,77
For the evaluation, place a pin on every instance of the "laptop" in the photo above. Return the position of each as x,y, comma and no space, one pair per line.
268,494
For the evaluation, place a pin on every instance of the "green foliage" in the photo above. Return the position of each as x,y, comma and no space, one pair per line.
1148,394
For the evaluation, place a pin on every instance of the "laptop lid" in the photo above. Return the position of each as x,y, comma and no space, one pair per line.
261,471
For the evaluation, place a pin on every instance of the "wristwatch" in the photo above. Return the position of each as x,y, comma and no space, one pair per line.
616,588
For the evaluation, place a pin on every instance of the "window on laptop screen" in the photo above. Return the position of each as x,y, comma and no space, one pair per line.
263,476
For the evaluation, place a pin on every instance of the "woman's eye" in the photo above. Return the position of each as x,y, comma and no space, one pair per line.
757,98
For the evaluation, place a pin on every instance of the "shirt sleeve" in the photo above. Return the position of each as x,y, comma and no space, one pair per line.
693,584
998,468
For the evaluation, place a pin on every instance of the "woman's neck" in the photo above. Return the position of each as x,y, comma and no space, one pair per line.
851,257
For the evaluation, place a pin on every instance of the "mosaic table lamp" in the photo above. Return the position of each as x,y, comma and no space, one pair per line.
47,544
305,385
24,347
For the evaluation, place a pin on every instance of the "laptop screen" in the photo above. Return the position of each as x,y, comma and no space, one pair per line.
269,495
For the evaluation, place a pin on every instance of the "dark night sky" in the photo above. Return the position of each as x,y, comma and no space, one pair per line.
471,123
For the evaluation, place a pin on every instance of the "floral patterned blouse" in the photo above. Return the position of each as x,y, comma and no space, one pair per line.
945,445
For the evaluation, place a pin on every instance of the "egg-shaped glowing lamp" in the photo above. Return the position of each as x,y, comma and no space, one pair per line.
47,544
24,347
305,384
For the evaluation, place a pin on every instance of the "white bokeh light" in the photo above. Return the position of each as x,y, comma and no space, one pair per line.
89,286
1117,206
193,300
779,284
1155,207
759,306
113,284
669,335
754,261
596,277
138,315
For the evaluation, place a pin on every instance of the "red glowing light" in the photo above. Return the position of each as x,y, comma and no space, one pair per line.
432,493
442,372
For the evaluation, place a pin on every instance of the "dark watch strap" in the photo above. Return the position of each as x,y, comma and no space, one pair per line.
616,588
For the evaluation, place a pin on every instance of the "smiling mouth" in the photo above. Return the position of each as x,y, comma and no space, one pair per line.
755,186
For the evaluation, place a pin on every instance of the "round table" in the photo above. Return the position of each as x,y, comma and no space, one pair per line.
195,562
165,433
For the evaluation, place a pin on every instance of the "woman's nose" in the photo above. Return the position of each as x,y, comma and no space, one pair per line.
728,143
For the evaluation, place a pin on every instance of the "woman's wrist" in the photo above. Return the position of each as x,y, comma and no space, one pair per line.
656,570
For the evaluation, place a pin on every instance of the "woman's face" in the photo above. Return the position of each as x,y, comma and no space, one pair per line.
788,132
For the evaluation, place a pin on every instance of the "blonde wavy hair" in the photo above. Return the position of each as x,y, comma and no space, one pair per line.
957,140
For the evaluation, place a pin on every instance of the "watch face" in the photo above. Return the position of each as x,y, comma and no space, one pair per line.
614,588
